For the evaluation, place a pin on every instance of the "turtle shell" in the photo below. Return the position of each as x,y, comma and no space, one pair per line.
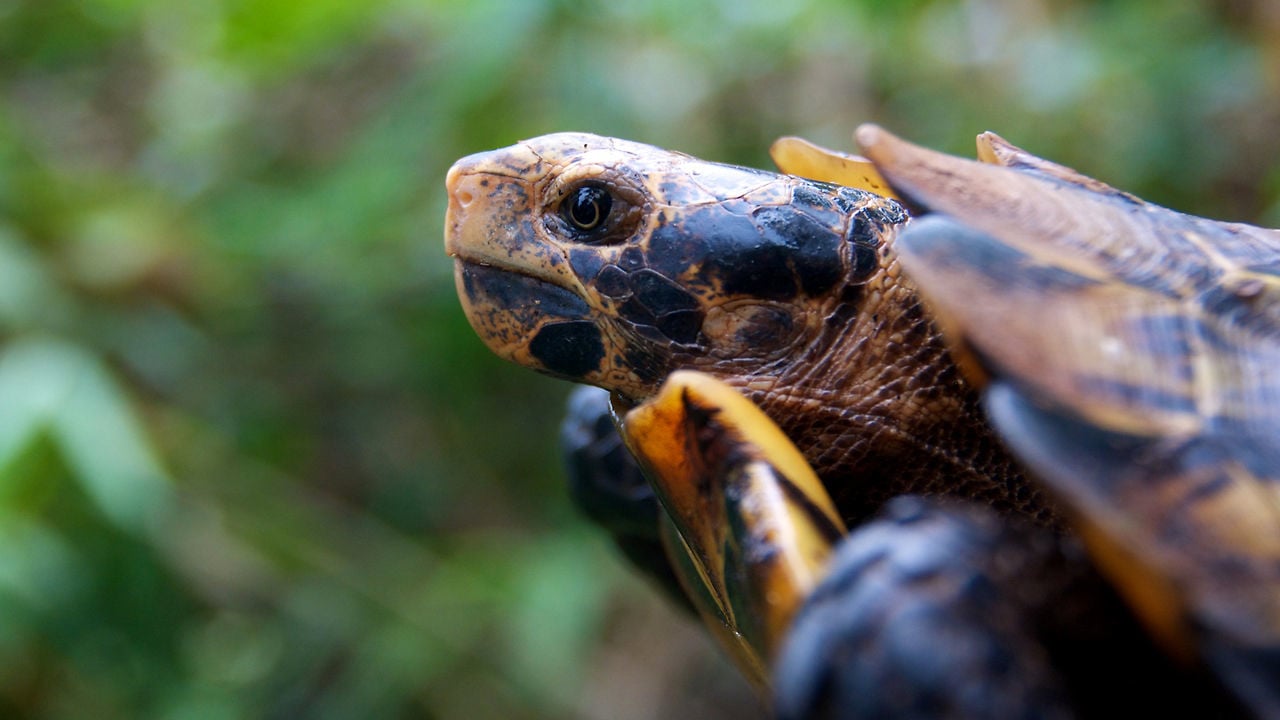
1130,355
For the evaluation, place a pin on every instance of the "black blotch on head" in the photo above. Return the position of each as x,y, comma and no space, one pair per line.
570,349
586,262
612,282
760,271
813,194
820,201
814,248
636,312
660,294
734,252
659,309
675,247
667,306
511,291
682,326
887,213
863,263
863,240
632,259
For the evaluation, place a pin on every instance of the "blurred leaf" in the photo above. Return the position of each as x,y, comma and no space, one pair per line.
37,568
27,295
52,386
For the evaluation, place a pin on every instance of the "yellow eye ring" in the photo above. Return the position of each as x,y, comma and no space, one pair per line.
587,207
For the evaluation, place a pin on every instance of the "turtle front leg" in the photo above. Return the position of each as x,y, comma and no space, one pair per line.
944,609
753,526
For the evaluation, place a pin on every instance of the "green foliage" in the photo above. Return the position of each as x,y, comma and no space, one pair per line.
252,461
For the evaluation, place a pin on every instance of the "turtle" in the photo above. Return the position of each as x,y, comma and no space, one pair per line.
1058,398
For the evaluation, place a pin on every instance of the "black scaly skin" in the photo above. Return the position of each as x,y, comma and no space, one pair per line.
945,610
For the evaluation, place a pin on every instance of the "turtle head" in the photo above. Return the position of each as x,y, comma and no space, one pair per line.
613,263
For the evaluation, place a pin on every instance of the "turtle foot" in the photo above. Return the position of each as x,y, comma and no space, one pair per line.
943,610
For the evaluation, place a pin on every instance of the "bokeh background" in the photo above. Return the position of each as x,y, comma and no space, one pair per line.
254,464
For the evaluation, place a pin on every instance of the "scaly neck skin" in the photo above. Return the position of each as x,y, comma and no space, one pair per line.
879,409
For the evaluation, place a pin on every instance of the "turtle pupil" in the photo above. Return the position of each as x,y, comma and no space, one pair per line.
588,207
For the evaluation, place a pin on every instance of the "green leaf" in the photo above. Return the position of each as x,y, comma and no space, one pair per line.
50,385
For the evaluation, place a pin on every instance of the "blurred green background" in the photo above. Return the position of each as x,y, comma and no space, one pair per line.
253,463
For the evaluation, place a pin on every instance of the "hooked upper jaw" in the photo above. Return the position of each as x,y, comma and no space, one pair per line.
489,192
492,231
500,202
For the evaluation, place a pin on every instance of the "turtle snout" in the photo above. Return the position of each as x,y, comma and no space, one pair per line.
465,184
462,184
475,176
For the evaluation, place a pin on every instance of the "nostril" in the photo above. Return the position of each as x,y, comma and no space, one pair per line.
460,183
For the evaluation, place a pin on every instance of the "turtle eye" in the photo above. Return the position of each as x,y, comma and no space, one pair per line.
587,207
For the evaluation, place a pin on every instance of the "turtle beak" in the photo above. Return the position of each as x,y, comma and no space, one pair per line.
492,220
516,287
458,184
465,185
475,183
